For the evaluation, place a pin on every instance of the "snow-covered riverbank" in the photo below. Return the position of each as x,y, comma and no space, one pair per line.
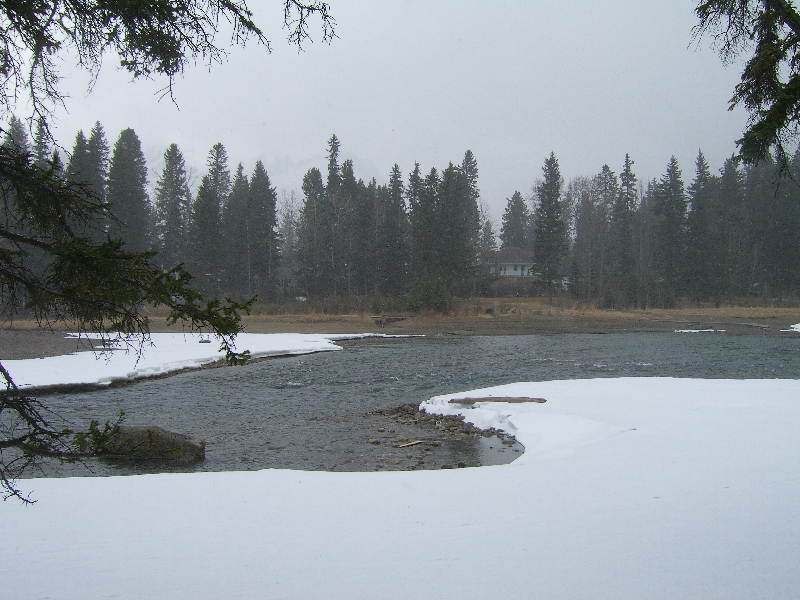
628,488
165,353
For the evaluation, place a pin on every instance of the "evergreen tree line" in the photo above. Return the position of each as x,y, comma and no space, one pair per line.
225,235
415,242
417,239
616,243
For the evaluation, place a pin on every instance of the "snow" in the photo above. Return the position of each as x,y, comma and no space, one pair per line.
628,488
793,328
168,352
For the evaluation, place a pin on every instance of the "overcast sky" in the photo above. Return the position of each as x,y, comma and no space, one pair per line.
423,80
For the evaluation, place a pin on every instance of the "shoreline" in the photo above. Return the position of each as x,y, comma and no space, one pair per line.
23,339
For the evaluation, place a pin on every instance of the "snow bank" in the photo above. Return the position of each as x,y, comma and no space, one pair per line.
169,352
628,488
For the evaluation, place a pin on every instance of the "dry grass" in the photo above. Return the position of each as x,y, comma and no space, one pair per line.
564,309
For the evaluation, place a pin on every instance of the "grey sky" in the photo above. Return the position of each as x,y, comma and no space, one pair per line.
426,80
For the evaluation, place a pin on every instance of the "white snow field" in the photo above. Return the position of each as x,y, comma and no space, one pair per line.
168,352
628,488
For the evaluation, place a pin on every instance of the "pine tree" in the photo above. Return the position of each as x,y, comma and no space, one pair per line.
487,248
263,253
173,204
88,168
773,200
235,259
334,175
16,135
645,225
593,200
418,217
735,249
42,150
15,139
344,202
78,163
469,168
550,232
129,203
97,155
205,226
288,245
514,230
454,234
314,274
703,234
78,171
367,220
621,282
392,249
669,252
785,249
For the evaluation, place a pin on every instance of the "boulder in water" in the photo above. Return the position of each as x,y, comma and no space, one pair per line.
154,443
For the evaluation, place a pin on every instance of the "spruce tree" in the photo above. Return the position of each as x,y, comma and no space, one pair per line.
16,135
88,168
773,200
78,163
173,204
288,247
129,203
514,230
454,235
365,230
263,252
79,172
344,202
702,234
735,248
550,232
314,274
788,231
97,156
417,216
487,248
205,226
593,200
42,150
392,248
645,226
469,168
620,290
235,265
669,252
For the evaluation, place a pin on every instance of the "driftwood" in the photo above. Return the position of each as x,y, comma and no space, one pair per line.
406,445
510,400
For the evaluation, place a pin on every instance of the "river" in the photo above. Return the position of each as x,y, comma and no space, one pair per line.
313,411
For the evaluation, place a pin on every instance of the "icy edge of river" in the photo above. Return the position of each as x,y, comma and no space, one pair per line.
162,354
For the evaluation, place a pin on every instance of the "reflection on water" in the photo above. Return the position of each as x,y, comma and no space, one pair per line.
310,412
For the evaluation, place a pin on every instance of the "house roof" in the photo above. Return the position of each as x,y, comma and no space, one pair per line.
510,254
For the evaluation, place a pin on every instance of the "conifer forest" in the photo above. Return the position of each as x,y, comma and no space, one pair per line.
416,242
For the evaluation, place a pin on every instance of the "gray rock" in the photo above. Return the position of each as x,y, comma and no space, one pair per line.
153,443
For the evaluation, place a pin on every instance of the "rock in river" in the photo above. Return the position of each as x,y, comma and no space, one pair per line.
154,443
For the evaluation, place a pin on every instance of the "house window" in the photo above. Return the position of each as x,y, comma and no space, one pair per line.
515,267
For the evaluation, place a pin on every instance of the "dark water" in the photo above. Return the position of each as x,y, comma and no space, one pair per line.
310,412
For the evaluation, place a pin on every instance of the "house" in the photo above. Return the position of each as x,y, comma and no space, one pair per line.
513,262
